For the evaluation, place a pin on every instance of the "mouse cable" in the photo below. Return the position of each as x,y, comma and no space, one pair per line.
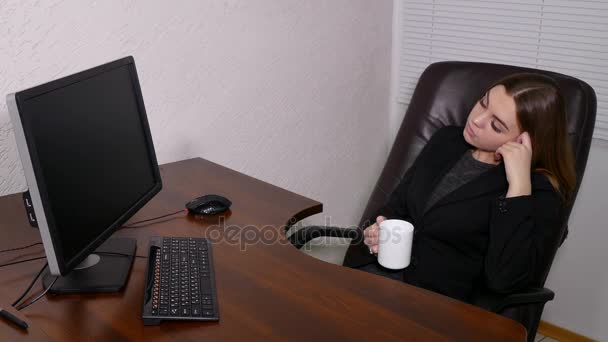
22,261
18,248
37,297
125,226
46,264
43,257
121,254
130,225
21,307
39,243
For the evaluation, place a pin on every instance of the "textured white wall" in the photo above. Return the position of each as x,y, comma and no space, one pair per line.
292,92
579,275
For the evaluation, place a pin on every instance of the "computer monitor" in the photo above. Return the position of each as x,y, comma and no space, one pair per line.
89,162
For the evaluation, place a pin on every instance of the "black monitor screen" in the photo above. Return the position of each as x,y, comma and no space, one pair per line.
91,151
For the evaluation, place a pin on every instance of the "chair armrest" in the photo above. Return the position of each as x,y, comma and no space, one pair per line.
497,302
300,237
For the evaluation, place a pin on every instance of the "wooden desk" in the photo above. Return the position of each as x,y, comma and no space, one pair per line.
267,290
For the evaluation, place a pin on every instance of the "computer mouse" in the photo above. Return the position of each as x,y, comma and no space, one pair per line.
208,205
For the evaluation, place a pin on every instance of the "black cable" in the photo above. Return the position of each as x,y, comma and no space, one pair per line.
54,280
31,284
18,248
154,218
39,258
125,226
39,296
22,261
43,257
46,265
121,254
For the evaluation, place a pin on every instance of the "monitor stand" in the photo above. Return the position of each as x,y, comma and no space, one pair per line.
99,272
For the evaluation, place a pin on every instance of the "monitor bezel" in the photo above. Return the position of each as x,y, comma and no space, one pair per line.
58,265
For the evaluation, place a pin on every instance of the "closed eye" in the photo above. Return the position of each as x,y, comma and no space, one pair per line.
495,127
483,102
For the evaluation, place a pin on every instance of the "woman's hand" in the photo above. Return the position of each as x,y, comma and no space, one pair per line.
517,157
371,235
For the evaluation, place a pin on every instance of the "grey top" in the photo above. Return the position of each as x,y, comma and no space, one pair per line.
465,170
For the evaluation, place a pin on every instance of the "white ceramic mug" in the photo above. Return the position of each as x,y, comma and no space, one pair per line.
395,244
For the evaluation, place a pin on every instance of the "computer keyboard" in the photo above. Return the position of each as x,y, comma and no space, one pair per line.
180,281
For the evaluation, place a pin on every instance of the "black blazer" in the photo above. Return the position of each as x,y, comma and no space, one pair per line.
472,238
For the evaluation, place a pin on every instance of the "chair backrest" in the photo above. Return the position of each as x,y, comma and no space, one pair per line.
445,94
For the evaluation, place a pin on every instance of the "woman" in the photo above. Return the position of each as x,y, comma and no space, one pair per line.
486,200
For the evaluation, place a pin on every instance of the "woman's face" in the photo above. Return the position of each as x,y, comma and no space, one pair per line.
492,121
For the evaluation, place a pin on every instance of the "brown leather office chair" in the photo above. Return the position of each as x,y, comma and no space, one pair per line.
444,95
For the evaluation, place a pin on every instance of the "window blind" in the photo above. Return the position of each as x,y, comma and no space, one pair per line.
569,37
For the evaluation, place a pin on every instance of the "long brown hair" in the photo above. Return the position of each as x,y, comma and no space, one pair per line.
541,112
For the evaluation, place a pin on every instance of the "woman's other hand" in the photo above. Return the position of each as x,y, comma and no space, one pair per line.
371,235
517,157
